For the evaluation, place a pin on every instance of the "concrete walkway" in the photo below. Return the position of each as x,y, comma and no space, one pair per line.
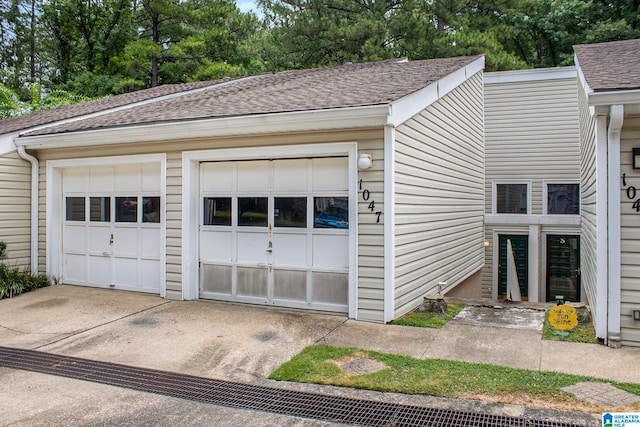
244,343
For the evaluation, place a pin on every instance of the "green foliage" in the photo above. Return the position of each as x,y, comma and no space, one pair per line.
216,70
319,364
94,49
92,85
14,281
426,319
9,102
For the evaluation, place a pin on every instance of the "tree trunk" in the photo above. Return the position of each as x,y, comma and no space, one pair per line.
32,43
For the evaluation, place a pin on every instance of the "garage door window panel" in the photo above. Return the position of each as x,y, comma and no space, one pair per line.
126,209
331,212
75,209
253,211
290,212
151,209
100,209
217,211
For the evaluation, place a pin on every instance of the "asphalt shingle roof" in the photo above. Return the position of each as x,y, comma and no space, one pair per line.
40,118
610,66
349,85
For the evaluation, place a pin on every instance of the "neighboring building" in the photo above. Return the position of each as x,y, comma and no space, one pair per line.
532,192
356,189
609,99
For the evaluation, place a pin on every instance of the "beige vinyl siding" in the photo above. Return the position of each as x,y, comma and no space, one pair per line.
15,209
531,136
588,186
439,204
370,235
630,236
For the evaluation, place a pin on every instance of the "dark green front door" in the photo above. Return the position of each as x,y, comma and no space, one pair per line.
520,246
563,267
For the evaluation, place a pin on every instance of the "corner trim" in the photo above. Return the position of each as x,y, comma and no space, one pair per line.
389,223
613,160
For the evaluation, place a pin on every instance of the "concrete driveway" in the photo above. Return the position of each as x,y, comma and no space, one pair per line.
218,340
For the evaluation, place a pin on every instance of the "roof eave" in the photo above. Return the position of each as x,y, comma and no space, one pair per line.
299,121
601,101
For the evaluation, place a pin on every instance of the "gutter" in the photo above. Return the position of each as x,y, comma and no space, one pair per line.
613,158
34,206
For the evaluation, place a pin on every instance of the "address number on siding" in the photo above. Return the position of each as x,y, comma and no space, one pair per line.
632,192
366,195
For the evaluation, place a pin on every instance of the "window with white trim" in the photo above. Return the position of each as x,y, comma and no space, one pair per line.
562,198
511,197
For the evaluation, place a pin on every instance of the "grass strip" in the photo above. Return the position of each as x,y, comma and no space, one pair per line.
426,319
320,364
583,332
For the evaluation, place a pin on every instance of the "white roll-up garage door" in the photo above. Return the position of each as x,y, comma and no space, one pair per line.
276,232
111,234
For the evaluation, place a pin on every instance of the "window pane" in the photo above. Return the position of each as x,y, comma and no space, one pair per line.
100,209
75,209
217,211
331,212
563,199
252,211
151,209
290,212
126,209
512,198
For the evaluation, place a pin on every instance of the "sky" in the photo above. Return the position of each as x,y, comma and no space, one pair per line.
247,5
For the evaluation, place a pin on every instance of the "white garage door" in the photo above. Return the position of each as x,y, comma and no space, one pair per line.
111,227
276,232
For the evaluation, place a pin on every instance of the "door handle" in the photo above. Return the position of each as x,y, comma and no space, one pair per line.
111,240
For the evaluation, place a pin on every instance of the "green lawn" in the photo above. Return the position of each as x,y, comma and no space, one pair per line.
426,319
321,364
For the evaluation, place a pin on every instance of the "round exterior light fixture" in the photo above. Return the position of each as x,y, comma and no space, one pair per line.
364,161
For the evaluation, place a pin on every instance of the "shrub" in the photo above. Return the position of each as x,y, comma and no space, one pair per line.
14,281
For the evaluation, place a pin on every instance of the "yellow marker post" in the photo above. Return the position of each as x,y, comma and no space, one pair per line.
563,317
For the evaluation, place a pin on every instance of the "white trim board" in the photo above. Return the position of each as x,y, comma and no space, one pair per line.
6,144
537,74
389,224
300,121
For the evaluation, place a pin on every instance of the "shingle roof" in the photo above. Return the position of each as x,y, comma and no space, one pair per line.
68,112
610,66
349,85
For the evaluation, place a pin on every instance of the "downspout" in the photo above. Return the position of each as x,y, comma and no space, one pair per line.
613,159
34,206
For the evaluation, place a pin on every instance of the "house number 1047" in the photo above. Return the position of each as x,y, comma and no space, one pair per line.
366,195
